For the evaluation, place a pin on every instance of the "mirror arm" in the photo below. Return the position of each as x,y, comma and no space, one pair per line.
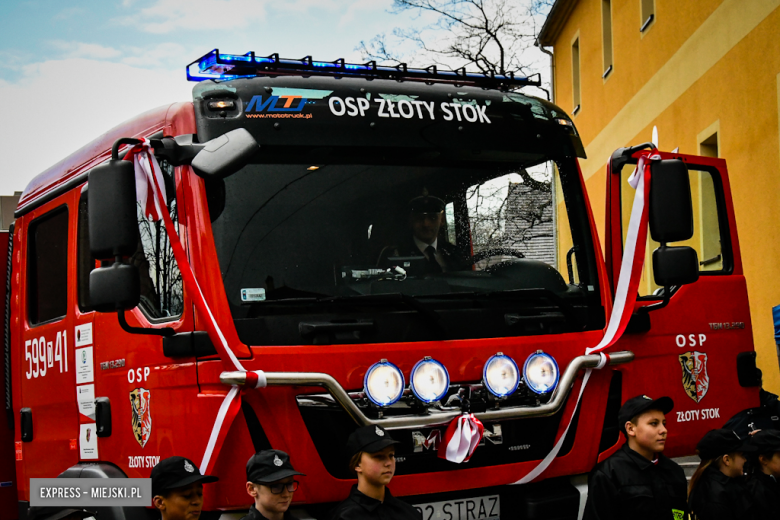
120,142
654,307
179,150
167,332
621,156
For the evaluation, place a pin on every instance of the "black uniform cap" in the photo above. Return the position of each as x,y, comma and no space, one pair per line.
269,466
426,204
370,439
764,441
639,404
176,472
719,442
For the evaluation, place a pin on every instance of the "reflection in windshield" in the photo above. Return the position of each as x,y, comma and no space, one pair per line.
293,234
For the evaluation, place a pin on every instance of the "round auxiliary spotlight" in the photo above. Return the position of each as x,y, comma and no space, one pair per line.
429,380
540,372
501,375
384,383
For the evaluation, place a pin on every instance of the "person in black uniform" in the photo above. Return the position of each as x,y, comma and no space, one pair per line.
177,488
372,453
763,472
271,483
426,220
717,488
637,481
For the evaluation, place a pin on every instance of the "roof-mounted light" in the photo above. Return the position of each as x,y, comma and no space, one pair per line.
218,66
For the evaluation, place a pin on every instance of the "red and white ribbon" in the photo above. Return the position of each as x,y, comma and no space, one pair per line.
461,438
625,294
149,181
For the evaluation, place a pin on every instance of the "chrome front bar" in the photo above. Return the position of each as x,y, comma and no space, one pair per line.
553,406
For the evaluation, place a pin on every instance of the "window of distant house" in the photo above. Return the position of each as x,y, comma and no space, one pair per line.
606,35
575,74
648,14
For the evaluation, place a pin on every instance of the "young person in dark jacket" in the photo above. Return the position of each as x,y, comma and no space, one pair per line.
717,488
271,483
177,489
763,471
637,481
372,453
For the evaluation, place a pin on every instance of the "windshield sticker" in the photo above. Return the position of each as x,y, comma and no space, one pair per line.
397,97
252,295
408,109
284,107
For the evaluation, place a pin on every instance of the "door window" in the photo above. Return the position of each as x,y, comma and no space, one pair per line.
47,253
707,229
161,282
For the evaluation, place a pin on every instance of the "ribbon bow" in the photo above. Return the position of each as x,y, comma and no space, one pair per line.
461,439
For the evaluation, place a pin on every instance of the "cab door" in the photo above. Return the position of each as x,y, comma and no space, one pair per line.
46,365
690,348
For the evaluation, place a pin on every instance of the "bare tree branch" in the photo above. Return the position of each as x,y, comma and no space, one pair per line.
489,35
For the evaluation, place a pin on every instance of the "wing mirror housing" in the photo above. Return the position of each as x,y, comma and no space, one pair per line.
671,210
113,227
675,266
671,220
219,158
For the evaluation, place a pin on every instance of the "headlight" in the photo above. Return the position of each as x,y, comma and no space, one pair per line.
540,372
430,380
501,375
384,383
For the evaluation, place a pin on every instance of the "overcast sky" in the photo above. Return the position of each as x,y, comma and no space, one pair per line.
75,69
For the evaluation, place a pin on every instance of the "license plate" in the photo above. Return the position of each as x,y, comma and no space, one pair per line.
477,508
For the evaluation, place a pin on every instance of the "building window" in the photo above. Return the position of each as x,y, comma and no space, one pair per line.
648,14
709,147
47,257
575,74
606,35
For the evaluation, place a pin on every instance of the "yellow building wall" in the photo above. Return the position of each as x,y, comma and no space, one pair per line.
698,64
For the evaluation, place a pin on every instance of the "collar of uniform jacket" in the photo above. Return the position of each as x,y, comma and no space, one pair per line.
639,460
254,514
365,501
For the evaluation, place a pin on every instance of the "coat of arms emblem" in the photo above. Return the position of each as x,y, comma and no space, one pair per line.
142,414
695,380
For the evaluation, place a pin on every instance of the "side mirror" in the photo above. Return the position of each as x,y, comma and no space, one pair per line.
113,226
113,233
671,209
675,266
225,155
114,288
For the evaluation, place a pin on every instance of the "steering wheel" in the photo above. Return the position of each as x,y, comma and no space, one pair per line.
495,251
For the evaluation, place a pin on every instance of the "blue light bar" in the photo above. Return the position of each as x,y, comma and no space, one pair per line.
223,67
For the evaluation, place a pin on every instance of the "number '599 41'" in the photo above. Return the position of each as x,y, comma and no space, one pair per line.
41,355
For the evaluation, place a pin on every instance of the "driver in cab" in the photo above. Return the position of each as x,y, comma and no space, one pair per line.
426,220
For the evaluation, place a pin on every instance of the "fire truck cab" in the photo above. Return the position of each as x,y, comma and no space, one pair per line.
317,271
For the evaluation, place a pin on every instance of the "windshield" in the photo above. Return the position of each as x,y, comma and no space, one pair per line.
343,252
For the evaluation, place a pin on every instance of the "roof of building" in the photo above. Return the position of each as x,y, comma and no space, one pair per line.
555,21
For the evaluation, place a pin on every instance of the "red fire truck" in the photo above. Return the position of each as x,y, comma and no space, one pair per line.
289,183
